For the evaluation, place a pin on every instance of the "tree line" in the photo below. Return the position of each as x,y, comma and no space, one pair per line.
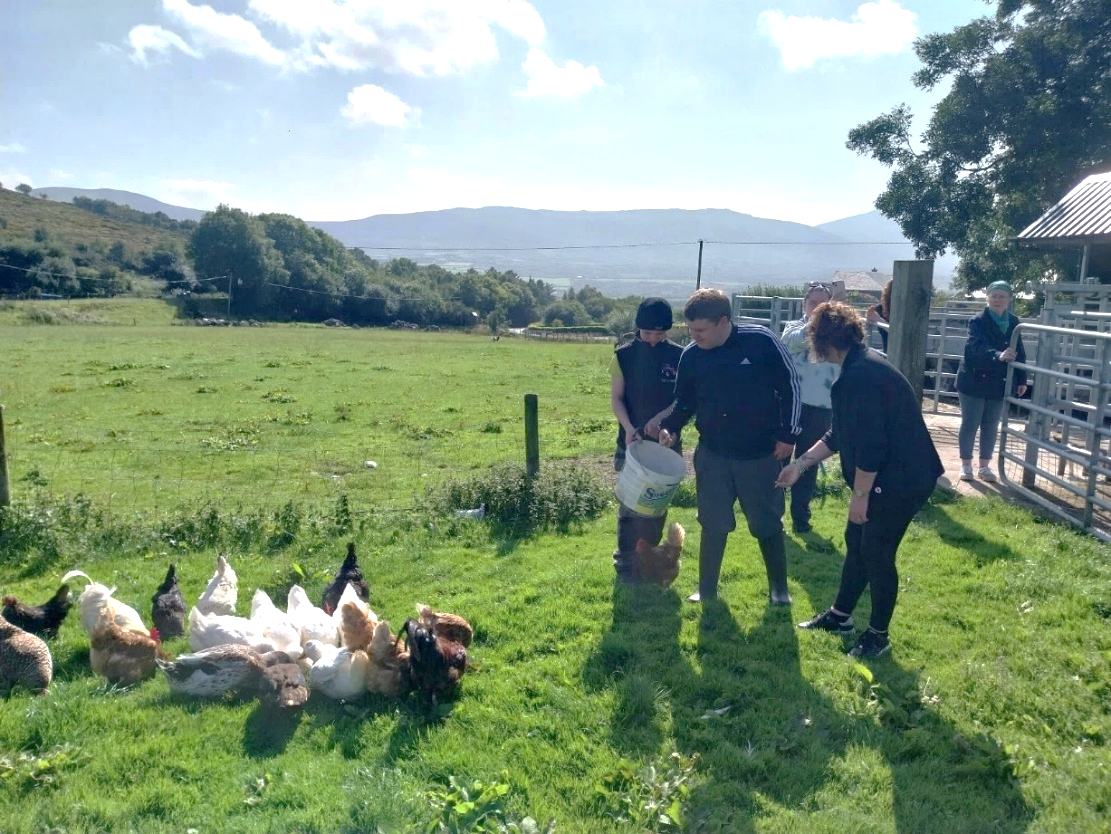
277,267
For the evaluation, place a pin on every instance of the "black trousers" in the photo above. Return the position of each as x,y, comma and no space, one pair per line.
815,423
870,550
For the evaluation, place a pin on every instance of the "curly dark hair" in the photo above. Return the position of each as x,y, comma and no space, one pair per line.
834,325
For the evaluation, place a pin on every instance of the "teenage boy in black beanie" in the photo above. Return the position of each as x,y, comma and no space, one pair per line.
642,387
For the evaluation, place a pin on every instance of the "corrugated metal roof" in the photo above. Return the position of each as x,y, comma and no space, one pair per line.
1082,216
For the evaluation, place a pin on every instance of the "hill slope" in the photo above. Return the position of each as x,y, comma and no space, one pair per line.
139,202
23,215
640,251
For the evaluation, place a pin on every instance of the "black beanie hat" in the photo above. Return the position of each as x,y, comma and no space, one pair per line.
654,314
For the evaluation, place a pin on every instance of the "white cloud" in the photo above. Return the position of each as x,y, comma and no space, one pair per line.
370,103
878,28
14,147
229,32
147,39
10,178
202,194
417,37
568,81
60,175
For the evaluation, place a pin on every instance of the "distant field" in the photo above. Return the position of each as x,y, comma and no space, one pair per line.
149,417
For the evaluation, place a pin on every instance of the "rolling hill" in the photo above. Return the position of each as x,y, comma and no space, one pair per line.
639,251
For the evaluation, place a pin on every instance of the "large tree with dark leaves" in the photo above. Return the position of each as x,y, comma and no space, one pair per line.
1028,116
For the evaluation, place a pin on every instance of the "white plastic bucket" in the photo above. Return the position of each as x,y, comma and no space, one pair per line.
650,477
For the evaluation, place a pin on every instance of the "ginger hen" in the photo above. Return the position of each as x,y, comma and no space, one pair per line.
661,562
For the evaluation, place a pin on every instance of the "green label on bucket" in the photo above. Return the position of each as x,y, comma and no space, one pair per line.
652,497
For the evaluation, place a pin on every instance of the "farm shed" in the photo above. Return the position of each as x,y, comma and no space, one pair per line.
871,281
1081,219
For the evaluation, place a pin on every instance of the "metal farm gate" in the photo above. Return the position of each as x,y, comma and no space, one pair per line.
1060,457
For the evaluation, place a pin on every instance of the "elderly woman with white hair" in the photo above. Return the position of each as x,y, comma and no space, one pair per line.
982,378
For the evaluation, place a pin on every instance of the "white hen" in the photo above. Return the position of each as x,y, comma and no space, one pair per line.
207,630
337,673
97,599
311,621
273,624
220,595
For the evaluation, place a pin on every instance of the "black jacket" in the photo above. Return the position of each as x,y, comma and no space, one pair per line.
744,394
878,427
981,373
649,372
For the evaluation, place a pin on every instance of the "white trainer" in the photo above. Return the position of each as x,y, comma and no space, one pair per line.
966,473
986,474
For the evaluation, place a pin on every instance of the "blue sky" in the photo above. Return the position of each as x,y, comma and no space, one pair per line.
340,109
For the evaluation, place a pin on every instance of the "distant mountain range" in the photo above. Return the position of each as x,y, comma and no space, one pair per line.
634,252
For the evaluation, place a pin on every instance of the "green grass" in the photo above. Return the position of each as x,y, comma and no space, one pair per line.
133,312
152,418
991,714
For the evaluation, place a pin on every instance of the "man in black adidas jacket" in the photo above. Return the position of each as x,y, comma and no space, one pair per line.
740,385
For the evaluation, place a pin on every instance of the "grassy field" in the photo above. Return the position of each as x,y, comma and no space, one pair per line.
152,417
593,705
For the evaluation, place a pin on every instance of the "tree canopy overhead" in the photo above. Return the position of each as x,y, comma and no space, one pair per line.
1027,117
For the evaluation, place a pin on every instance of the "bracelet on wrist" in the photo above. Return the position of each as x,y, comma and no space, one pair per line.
860,493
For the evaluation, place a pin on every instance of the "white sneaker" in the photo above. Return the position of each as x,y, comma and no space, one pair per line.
986,474
966,473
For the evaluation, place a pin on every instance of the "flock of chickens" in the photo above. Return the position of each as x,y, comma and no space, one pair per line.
342,649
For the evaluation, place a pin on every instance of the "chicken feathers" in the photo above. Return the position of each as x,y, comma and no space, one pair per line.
348,574
222,591
167,610
43,620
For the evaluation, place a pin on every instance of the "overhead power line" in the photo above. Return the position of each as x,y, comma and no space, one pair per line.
436,248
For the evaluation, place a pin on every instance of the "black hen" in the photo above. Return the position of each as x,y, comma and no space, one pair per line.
348,574
167,609
436,664
43,620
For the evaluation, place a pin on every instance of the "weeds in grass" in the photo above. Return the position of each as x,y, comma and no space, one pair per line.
520,505
477,810
30,770
651,798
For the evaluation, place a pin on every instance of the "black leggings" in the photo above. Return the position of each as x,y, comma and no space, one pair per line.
870,556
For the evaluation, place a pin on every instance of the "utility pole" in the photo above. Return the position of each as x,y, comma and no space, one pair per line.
698,279
229,298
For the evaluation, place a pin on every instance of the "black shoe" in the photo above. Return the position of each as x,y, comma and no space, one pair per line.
828,621
871,644
801,527
779,597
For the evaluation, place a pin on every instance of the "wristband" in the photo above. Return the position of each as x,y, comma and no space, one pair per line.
861,493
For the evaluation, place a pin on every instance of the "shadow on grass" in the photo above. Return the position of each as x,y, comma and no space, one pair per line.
763,731
267,731
953,532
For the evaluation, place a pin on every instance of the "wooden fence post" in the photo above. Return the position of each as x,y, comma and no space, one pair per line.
910,318
5,489
532,436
